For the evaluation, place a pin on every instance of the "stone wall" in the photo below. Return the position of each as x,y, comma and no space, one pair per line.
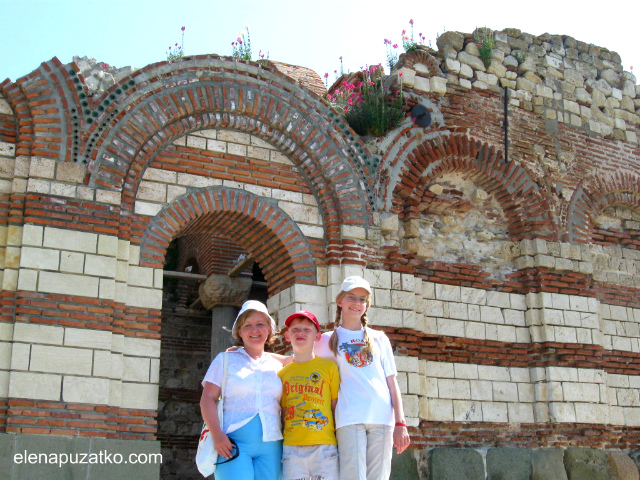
501,240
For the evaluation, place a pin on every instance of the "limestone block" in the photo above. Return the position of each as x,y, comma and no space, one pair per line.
487,78
439,85
35,386
101,364
452,65
42,168
65,360
524,84
32,235
108,245
139,396
449,327
71,262
493,373
453,39
136,369
491,314
159,175
70,240
497,68
68,284
28,280
352,231
36,333
87,338
419,83
434,409
109,197
99,265
279,157
235,149
234,136
140,347
449,293
458,311
498,299
85,390
471,60
144,297
543,91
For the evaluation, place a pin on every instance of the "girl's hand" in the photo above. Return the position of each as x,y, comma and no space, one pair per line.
222,444
401,439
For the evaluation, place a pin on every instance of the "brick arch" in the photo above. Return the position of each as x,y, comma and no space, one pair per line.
527,211
420,56
593,195
259,226
169,100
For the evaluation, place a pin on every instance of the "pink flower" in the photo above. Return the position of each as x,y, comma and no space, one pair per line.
403,32
182,29
411,21
326,75
400,74
395,45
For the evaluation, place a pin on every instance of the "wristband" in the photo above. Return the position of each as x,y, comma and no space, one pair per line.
401,424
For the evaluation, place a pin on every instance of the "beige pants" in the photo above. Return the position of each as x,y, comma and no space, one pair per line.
365,451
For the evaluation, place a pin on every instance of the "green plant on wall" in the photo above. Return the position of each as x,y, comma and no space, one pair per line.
368,106
484,39
241,48
176,52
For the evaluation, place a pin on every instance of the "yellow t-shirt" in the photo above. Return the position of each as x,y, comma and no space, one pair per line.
307,391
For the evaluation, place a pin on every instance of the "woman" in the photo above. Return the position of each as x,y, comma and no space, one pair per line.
251,400
369,415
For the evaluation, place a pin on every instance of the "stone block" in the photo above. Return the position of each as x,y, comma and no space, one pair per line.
40,386
141,347
136,369
28,280
70,240
71,262
98,265
68,284
434,409
582,463
42,168
547,464
144,297
36,333
32,235
622,467
85,390
456,464
87,338
64,360
142,396
508,464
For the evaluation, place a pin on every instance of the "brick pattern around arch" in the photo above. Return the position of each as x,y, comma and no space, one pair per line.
527,210
262,229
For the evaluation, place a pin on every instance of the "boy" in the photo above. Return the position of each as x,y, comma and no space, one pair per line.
309,396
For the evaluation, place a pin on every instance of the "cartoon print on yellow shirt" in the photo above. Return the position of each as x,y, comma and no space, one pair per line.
354,355
306,396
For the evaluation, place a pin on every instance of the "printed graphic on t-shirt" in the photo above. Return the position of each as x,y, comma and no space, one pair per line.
304,400
354,355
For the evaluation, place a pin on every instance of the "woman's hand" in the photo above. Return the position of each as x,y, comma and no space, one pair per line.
222,444
401,439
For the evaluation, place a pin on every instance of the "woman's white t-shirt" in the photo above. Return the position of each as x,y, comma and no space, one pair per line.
364,396
253,388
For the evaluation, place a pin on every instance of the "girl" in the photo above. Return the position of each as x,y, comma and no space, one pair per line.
369,415
251,400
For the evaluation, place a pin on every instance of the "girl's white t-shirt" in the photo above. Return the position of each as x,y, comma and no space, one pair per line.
253,388
364,396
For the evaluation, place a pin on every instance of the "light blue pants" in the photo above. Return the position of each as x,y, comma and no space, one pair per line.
258,460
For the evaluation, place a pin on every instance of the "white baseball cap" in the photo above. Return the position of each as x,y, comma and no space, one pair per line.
355,281
258,307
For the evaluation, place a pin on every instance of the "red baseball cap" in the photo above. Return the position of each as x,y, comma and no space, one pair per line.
302,314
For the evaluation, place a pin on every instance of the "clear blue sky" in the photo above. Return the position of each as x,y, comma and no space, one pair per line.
312,34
